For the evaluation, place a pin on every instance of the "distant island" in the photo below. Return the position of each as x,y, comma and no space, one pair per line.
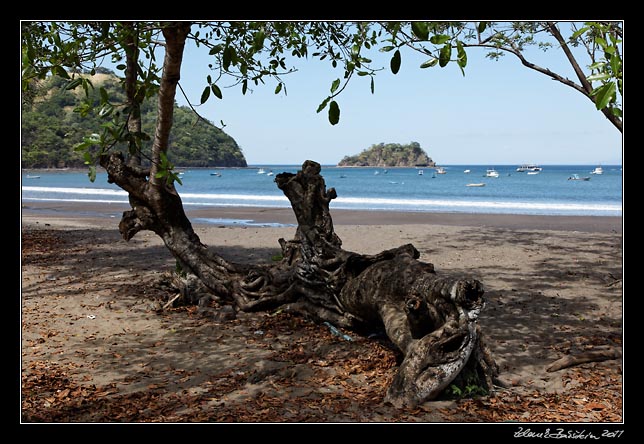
390,155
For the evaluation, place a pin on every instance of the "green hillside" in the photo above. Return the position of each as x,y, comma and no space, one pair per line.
390,155
51,128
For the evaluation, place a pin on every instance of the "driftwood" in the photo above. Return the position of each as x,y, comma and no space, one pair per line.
583,358
431,318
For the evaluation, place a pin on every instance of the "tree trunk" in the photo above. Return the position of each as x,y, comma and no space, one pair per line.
432,319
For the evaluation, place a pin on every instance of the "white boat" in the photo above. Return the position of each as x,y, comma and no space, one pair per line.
491,172
576,177
216,173
421,172
467,171
481,184
441,170
32,177
597,170
261,171
270,173
529,167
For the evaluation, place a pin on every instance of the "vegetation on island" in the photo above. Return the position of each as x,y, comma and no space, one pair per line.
54,124
390,155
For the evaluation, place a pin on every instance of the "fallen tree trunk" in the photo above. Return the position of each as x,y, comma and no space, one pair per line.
583,358
430,318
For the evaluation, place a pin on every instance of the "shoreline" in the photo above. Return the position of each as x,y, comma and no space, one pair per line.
105,213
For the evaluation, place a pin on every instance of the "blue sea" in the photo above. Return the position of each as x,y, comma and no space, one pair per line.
395,189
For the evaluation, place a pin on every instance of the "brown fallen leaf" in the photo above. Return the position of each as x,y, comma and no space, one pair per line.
595,406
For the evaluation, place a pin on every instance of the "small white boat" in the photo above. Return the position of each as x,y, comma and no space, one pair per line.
261,171
216,173
491,172
597,170
441,170
467,171
481,184
576,177
32,177
529,167
270,173
421,172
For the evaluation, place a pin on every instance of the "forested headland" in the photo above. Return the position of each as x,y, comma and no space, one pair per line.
52,124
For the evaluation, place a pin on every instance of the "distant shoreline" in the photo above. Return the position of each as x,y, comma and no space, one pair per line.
109,214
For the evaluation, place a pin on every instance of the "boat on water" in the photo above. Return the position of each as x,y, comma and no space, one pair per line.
421,172
480,184
491,172
532,173
32,177
261,171
529,167
216,173
441,170
576,177
467,171
270,173
597,170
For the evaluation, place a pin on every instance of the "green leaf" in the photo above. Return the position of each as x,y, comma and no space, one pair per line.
420,30
334,113
73,83
604,95
616,65
205,94
363,73
278,88
616,112
598,76
372,86
227,57
121,67
462,55
445,55
597,65
82,146
395,62
104,96
429,63
105,110
216,91
215,49
439,39
60,71
323,104
387,48
244,86
92,173
482,26
579,32
335,85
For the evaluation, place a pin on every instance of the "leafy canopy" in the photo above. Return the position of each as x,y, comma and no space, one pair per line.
251,54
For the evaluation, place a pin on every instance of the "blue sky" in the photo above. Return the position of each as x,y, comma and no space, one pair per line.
498,113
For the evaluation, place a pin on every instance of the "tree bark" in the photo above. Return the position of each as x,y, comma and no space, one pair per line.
431,319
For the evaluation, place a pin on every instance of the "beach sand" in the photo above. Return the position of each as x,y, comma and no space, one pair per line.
97,348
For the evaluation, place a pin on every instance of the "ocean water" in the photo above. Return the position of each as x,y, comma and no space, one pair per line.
396,189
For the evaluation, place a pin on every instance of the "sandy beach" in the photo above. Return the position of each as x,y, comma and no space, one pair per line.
97,347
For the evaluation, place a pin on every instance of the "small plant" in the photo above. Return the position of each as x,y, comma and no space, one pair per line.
466,385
